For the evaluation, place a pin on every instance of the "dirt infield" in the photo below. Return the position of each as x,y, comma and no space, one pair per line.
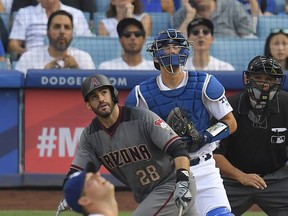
48,199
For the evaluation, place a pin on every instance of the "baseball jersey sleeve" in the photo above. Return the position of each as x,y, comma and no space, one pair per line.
160,132
85,153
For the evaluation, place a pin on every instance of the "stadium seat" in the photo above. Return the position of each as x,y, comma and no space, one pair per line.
87,16
6,20
98,16
160,21
100,48
280,6
237,52
266,23
102,5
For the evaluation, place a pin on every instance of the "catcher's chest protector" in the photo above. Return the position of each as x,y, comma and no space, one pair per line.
188,98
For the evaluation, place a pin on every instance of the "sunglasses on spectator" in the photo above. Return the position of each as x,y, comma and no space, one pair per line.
277,30
128,34
197,32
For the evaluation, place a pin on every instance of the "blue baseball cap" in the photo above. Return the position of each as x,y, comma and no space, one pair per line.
73,190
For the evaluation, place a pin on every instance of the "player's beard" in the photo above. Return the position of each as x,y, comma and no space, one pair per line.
104,114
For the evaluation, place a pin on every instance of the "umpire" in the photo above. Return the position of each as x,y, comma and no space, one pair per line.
253,160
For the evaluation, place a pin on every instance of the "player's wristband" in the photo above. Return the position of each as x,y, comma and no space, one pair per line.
218,131
182,175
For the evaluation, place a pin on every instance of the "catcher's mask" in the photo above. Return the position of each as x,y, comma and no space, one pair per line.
97,81
260,95
166,59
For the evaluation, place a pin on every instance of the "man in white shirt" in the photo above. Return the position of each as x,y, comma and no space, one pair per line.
57,54
200,33
132,39
30,24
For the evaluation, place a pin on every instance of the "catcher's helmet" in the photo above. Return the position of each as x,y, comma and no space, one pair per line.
98,81
264,65
169,36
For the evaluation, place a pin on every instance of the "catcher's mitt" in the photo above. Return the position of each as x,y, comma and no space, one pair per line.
183,127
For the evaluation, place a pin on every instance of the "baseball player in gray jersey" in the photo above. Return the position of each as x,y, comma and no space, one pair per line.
139,149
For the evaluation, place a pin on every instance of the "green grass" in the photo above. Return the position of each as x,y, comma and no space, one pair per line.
69,213
46,213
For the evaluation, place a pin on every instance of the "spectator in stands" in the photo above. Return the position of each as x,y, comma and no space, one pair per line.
132,38
58,54
30,24
276,46
228,16
158,6
260,7
16,5
84,6
120,9
89,192
200,33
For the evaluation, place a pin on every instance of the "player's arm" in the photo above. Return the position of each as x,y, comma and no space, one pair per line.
230,171
182,193
230,121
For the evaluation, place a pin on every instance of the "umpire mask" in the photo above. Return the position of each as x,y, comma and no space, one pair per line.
262,91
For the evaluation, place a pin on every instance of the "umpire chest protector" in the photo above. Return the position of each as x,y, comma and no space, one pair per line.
188,97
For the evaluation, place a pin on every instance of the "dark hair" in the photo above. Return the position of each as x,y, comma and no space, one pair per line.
267,51
56,13
111,12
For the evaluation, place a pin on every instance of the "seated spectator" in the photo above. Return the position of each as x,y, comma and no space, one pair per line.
118,10
228,16
87,192
16,5
260,7
132,38
200,33
276,46
30,24
85,6
58,54
158,6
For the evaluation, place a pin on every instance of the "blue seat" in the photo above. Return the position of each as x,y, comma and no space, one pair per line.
98,16
102,5
160,21
266,23
237,52
100,48
6,20
280,6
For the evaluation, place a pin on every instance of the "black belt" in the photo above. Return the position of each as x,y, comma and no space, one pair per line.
196,161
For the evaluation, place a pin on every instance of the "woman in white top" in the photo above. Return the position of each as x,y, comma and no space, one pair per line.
120,9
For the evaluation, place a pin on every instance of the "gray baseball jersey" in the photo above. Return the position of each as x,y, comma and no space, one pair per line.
133,150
